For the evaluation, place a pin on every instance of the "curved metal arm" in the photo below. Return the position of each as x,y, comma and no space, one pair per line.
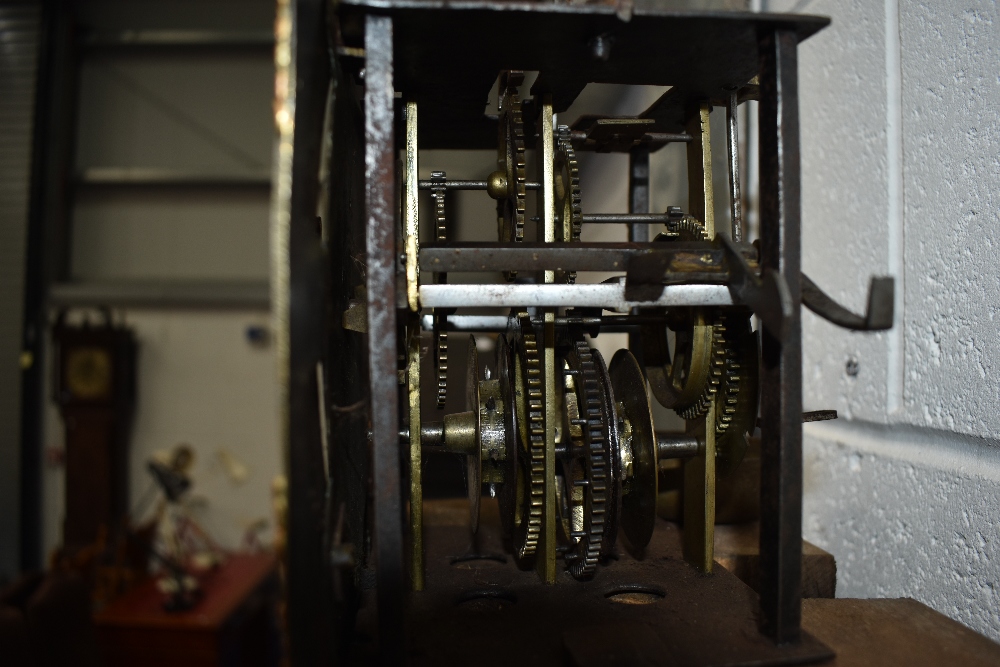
767,296
881,305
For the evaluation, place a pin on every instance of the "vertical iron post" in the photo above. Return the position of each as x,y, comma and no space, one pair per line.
781,358
380,195
638,202
638,192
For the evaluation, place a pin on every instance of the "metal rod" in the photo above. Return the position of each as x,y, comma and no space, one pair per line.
381,289
781,360
678,446
736,203
634,219
609,296
466,185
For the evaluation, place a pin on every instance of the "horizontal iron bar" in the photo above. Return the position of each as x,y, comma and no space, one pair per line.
467,185
609,296
580,136
679,262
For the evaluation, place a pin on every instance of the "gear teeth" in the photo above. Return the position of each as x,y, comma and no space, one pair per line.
568,171
511,209
689,228
441,359
438,179
585,552
536,435
730,389
438,193
717,368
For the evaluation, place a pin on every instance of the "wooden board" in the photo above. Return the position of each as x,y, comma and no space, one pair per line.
737,548
875,633
484,610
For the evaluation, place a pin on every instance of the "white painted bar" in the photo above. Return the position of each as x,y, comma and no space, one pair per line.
610,296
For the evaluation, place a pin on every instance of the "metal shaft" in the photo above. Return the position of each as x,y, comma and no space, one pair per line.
466,185
736,202
678,446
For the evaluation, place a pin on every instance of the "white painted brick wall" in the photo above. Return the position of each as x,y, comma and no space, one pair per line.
900,104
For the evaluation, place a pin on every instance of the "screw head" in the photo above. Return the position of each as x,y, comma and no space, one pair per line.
851,367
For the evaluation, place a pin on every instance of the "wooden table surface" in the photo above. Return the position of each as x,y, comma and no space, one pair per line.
224,590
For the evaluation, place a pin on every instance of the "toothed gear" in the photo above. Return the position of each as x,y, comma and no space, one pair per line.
729,389
441,359
438,179
716,371
689,228
736,405
588,477
569,210
511,161
438,190
530,403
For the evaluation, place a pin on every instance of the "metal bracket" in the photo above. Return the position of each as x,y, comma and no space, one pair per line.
878,317
767,295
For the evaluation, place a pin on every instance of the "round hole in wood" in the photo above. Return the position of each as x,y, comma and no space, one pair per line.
486,599
635,594
478,561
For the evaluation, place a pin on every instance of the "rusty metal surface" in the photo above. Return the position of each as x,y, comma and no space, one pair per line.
781,358
661,264
699,53
382,334
479,608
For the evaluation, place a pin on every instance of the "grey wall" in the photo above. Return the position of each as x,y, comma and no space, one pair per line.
19,34
200,380
901,138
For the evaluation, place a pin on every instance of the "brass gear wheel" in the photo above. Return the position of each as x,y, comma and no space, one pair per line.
589,477
569,210
438,179
511,163
523,497
441,356
736,405
689,378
